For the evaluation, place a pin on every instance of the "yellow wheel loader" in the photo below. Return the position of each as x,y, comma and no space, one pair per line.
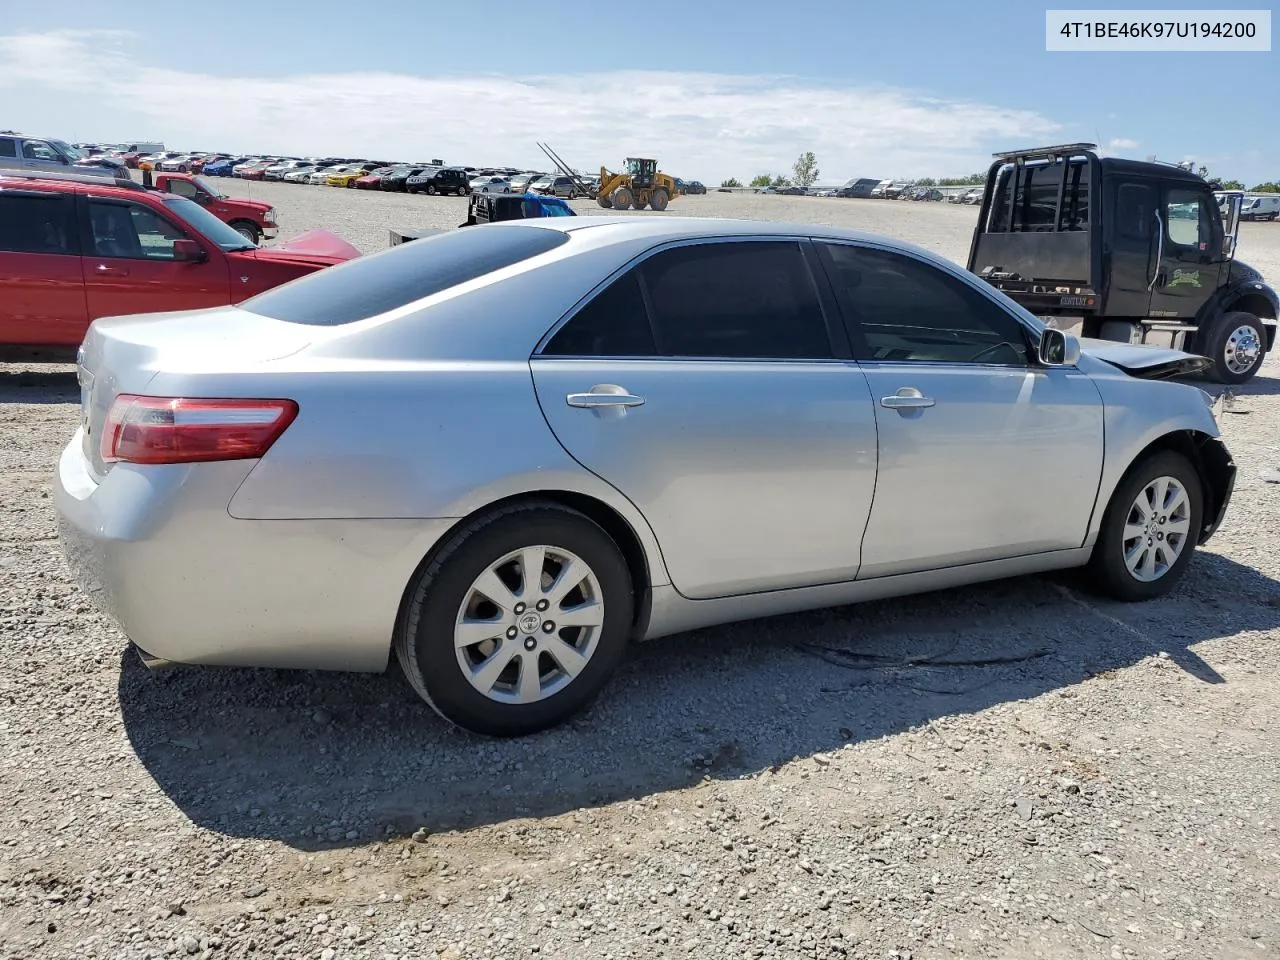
642,185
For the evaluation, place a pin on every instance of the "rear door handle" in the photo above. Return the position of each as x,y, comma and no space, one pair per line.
600,398
908,398
103,270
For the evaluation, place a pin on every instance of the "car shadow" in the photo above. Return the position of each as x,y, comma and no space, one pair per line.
21,385
320,760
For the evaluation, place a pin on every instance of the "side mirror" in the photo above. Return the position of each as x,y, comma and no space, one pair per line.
187,251
1059,348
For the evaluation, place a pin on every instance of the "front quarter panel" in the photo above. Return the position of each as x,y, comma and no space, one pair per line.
1138,413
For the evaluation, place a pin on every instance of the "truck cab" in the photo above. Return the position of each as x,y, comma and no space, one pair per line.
1139,252
252,219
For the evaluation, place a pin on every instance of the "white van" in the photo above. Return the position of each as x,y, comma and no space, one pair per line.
143,146
1261,207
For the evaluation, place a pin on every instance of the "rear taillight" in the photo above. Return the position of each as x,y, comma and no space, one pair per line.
184,430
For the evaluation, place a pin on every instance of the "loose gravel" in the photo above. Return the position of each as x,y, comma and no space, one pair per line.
1009,771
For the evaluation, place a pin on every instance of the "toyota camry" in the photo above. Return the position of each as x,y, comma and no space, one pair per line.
506,452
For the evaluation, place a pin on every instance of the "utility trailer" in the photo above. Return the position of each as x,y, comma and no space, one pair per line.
1138,252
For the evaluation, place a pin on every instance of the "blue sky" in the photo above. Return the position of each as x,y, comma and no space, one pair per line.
713,89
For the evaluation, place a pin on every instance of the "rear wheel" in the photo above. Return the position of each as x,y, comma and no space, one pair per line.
603,201
519,621
1150,528
658,199
1236,343
622,198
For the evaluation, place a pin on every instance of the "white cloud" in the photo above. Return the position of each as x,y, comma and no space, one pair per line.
1118,144
85,85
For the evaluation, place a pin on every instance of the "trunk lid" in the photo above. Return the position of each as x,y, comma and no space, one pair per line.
124,354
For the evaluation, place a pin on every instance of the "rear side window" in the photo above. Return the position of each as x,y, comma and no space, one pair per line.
614,324
36,224
8,148
374,284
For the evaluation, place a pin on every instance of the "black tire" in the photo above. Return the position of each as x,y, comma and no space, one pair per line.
623,198
658,199
1221,349
1107,564
603,201
247,230
462,191
431,189
424,642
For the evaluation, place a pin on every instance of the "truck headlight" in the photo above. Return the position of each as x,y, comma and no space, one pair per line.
270,217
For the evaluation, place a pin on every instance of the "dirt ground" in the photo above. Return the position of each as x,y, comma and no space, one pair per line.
1006,771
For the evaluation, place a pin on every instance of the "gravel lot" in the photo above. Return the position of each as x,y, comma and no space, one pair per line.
1009,771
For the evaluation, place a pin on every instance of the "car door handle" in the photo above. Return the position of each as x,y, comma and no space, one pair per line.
908,398
103,270
605,395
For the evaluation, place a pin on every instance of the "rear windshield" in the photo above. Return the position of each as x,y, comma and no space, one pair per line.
374,284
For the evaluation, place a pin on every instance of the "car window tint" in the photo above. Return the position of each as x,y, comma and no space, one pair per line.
1134,209
129,231
613,324
8,148
183,188
376,283
909,310
744,299
35,224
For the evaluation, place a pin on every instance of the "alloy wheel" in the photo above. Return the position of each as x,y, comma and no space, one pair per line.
529,624
1156,529
1242,349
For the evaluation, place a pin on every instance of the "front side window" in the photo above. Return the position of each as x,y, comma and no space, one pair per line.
35,224
130,231
35,150
908,310
183,188
1187,219
8,148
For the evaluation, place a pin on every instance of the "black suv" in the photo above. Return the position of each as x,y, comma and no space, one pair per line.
448,180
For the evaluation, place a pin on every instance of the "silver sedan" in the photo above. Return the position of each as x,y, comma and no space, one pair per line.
506,451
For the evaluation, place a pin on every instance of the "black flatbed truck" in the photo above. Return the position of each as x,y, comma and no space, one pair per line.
1126,250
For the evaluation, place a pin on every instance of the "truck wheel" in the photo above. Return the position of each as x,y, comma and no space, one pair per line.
658,199
247,230
1236,344
604,201
621,198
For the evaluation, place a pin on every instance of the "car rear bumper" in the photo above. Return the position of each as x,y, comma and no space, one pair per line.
156,550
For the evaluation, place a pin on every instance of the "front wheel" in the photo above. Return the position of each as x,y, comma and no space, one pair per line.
518,622
431,189
1150,528
247,230
1237,344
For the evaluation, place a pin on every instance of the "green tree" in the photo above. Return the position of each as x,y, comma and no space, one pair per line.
763,180
926,182
1231,185
1269,187
731,182
806,169
780,181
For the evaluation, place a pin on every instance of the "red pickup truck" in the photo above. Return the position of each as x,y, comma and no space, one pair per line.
74,248
252,219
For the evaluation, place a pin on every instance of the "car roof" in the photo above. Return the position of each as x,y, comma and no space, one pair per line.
69,183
